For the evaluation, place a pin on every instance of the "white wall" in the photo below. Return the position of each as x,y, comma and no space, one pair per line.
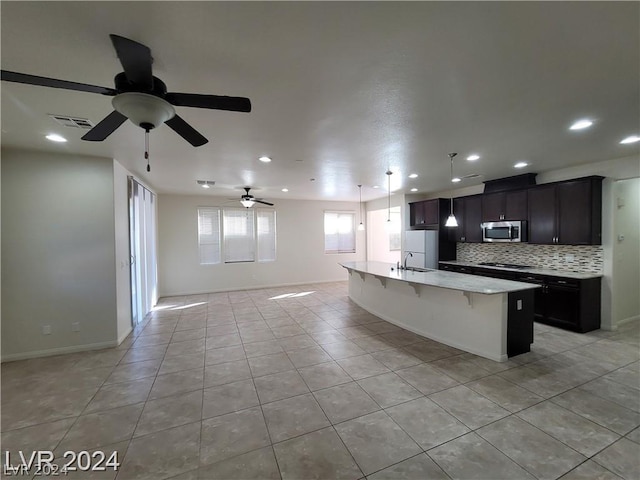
300,248
58,251
123,270
626,250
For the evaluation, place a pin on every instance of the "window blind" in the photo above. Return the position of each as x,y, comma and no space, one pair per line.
209,235
238,231
339,232
266,235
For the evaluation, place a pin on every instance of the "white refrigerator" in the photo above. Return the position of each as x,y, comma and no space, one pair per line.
423,246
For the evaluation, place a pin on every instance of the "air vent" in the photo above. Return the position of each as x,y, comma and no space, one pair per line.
74,122
206,183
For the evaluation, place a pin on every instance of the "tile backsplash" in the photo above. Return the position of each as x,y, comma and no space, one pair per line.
573,258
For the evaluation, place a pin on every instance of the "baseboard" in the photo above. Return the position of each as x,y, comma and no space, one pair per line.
57,351
122,337
250,287
627,320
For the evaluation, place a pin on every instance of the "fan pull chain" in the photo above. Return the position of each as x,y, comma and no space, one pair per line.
146,149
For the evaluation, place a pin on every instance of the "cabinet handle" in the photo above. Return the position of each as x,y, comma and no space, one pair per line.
561,281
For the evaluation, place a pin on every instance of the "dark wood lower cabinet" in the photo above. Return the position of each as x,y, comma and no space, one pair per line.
569,303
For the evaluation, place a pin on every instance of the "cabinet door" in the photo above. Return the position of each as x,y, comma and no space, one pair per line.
416,214
493,207
431,212
457,234
563,306
473,218
515,205
574,213
542,214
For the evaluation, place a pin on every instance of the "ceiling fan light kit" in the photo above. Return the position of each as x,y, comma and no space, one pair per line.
144,110
139,96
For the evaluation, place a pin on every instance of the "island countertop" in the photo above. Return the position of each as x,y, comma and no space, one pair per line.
440,278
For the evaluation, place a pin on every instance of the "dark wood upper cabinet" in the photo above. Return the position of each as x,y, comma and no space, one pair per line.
510,205
473,218
425,214
542,214
468,212
516,205
567,213
416,214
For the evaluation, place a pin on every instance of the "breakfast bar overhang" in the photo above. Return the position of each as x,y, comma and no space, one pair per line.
489,317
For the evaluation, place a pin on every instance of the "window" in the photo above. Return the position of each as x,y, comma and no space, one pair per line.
339,232
238,234
209,235
266,235
241,235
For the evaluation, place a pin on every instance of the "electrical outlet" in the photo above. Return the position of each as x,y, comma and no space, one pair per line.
46,329
75,327
568,258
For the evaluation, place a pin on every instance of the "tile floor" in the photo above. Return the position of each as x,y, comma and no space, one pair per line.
300,383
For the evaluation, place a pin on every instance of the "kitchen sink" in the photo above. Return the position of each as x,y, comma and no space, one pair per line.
419,269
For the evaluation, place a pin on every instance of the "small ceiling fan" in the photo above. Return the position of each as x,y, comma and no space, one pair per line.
247,200
139,96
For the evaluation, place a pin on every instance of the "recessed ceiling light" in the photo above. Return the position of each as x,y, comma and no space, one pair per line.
285,189
265,159
205,186
414,189
54,137
473,158
376,186
520,165
413,175
581,124
456,179
631,139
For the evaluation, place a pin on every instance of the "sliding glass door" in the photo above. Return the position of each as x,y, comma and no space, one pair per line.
142,237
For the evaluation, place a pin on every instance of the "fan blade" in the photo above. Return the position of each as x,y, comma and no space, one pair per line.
262,201
135,59
54,83
105,128
214,102
186,131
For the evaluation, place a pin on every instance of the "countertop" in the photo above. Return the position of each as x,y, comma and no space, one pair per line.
440,278
534,270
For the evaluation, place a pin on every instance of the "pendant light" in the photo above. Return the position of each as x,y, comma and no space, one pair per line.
361,226
451,220
389,173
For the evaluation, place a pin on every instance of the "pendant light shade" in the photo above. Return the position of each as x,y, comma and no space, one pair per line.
451,219
361,226
389,173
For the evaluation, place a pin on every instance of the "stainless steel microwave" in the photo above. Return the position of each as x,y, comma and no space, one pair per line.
504,231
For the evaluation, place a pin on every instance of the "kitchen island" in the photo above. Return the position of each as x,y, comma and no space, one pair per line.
489,317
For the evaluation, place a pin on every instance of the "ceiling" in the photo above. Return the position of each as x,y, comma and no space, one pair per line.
341,91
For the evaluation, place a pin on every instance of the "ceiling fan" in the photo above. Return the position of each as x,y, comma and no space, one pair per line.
139,96
247,200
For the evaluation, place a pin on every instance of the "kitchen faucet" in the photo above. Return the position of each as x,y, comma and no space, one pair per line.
409,254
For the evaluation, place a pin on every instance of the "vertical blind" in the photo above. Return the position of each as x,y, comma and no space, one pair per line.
339,232
209,235
142,244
